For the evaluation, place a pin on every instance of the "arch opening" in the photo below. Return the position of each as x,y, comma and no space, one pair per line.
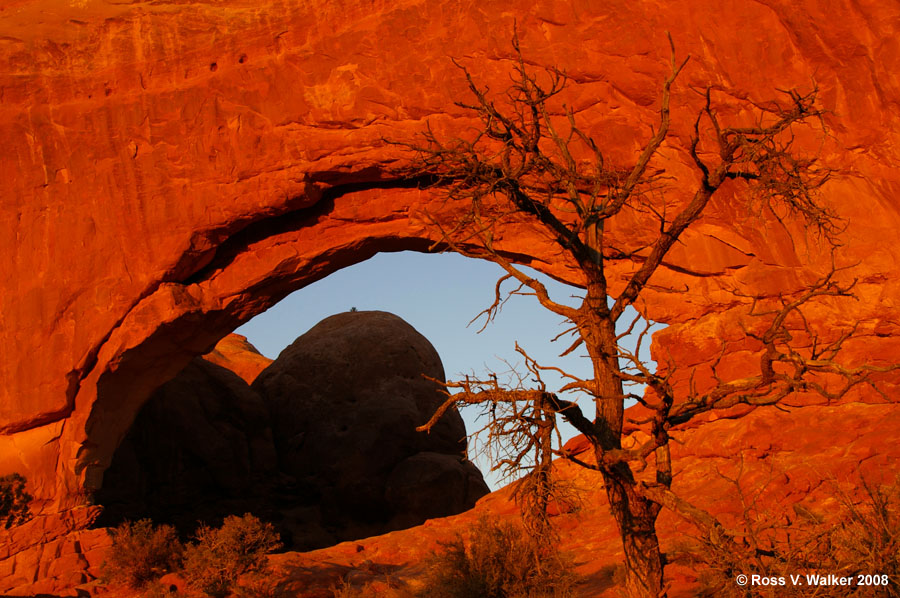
233,466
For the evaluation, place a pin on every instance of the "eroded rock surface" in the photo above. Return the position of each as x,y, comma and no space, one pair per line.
236,353
171,169
804,461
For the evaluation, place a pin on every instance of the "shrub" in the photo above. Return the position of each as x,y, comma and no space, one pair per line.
13,500
260,585
499,560
863,538
142,552
221,555
867,539
157,589
389,588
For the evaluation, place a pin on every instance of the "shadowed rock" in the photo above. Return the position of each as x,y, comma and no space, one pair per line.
160,189
345,399
323,444
200,449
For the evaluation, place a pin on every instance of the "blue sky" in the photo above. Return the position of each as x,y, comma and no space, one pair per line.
438,294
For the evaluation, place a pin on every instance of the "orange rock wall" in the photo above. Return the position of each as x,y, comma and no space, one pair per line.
234,352
170,169
779,463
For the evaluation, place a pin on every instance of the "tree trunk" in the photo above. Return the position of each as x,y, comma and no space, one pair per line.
634,514
636,520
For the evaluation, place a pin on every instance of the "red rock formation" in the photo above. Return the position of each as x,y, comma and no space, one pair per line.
236,353
200,449
802,458
323,445
171,169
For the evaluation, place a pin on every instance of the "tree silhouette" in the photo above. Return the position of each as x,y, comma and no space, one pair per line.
530,162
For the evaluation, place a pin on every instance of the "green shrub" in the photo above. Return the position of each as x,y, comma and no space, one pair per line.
499,560
220,556
13,500
142,552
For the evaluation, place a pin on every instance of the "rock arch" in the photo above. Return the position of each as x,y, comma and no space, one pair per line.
169,170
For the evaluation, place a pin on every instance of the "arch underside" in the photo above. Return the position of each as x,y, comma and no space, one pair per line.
163,189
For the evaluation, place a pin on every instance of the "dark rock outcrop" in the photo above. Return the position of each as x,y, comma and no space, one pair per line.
200,448
323,445
345,399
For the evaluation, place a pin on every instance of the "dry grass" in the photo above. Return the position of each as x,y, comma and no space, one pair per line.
141,553
225,560
222,555
493,560
499,560
389,588
864,539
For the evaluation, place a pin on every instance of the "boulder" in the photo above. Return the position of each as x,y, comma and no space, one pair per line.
345,399
429,485
323,445
199,449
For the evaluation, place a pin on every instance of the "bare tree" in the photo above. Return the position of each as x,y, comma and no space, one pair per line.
530,161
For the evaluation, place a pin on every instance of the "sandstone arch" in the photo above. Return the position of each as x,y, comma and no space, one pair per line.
172,169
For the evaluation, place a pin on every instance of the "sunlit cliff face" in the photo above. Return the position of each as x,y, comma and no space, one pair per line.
152,202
